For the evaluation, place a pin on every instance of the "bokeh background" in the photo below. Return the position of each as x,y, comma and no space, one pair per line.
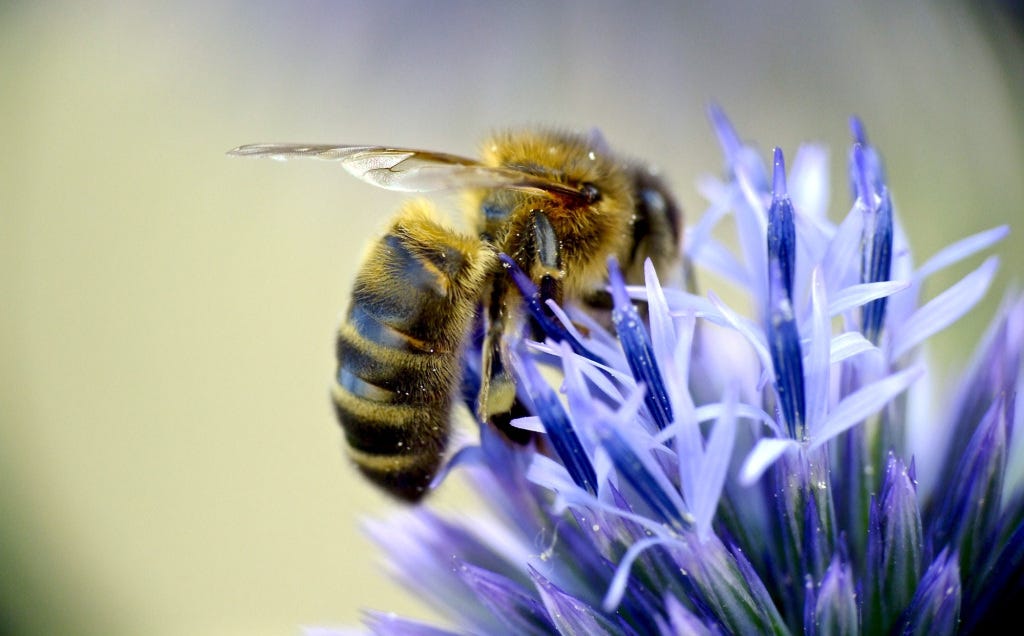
169,461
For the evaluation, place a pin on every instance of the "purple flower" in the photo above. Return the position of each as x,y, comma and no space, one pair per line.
708,472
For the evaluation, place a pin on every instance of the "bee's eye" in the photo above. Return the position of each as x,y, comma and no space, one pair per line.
590,193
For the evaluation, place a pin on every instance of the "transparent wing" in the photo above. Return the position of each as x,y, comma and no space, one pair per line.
406,170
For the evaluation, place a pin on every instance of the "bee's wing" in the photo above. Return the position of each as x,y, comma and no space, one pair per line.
405,170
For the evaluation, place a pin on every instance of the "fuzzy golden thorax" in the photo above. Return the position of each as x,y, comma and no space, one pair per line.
588,232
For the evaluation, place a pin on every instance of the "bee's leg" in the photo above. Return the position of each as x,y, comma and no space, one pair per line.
497,401
495,379
546,266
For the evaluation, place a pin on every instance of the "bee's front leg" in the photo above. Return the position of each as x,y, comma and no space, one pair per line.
545,266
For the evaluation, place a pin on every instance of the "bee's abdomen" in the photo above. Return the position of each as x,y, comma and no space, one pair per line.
398,349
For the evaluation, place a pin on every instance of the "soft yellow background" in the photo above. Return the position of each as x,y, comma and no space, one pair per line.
169,462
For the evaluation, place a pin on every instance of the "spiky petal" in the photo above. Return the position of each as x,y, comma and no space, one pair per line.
935,608
895,543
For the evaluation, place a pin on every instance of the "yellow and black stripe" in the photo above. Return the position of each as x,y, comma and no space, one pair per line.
398,350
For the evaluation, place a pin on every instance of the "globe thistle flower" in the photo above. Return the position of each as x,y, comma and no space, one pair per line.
706,470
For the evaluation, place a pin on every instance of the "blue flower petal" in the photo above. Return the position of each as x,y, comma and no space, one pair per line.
469,455
598,340
849,344
868,169
895,548
765,453
531,423
663,331
751,215
431,546
835,609
570,615
995,370
816,540
561,434
683,621
960,250
787,358
617,588
844,250
935,608
971,506
876,263
387,624
720,581
584,405
944,309
639,351
863,403
862,294
728,138
713,466
781,230
517,610
749,175
759,593
819,354
547,473
637,466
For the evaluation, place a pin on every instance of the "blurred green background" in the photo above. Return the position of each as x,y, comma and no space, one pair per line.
169,461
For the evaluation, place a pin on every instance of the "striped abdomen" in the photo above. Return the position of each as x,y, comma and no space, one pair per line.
398,350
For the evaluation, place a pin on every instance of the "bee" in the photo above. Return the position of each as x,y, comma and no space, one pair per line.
558,204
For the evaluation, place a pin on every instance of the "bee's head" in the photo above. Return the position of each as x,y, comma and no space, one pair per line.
581,161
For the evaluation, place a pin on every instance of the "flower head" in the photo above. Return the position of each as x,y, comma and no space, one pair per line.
704,471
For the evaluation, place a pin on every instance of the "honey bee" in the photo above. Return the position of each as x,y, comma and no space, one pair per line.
558,204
